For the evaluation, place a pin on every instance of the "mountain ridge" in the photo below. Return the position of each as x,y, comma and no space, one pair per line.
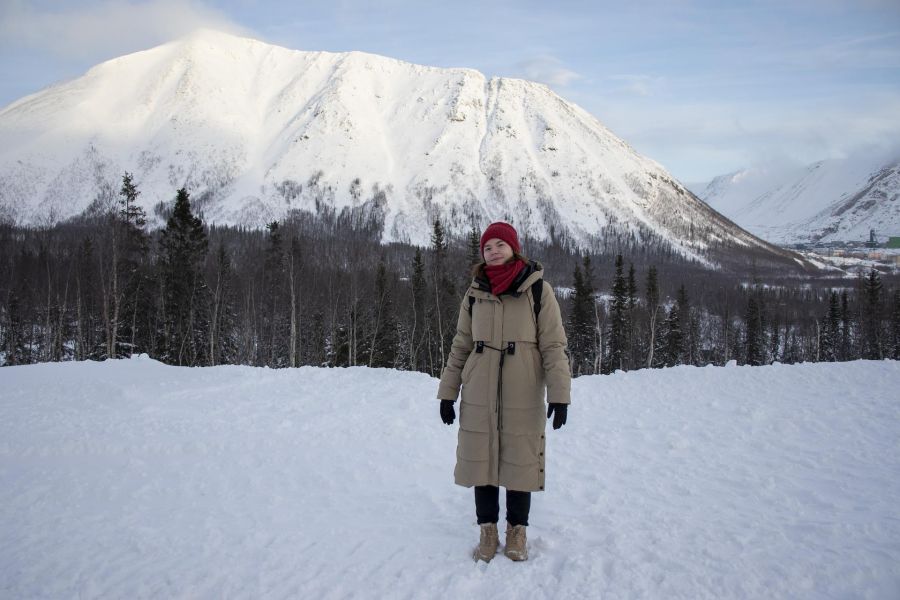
254,131
836,200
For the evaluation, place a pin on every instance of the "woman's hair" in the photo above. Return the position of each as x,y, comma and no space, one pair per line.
476,268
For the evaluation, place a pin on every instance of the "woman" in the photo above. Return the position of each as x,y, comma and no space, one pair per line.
509,345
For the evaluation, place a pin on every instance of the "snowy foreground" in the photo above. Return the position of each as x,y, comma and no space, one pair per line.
130,479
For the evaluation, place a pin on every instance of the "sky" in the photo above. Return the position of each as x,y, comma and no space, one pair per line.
703,87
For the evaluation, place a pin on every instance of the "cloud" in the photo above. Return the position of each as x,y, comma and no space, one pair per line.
547,69
699,140
100,29
635,85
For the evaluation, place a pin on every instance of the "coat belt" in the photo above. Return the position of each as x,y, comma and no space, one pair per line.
510,349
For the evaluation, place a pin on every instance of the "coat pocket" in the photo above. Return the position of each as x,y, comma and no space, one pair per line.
473,446
474,417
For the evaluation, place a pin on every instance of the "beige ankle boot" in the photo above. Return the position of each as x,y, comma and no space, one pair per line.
487,545
515,543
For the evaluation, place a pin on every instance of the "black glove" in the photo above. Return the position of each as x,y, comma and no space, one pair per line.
559,412
448,415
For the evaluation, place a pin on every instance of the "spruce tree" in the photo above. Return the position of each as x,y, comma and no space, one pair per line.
687,324
846,344
183,247
129,210
445,304
675,346
473,257
871,334
595,341
222,331
670,351
580,325
754,348
419,326
618,320
274,320
895,326
652,296
383,344
829,338
631,340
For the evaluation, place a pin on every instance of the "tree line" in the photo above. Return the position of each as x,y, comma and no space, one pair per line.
321,289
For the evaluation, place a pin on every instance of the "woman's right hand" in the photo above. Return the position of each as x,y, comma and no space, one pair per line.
448,415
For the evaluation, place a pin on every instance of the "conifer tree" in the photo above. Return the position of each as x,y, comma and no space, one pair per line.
895,326
595,344
445,304
183,247
618,320
417,330
678,327
222,340
130,212
829,338
274,318
473,257
293,265
687,324
652,296
754,347
383,344
581,325
845,350
872,307
631,340
14,346
124,277
672,340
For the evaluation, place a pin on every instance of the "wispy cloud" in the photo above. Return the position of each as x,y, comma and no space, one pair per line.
547,69
698,140
635,85
101,29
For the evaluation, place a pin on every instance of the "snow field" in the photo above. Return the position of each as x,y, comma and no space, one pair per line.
135,479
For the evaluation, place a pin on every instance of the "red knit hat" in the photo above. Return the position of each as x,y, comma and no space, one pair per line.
501,231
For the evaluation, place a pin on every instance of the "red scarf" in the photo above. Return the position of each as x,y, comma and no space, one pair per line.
501,276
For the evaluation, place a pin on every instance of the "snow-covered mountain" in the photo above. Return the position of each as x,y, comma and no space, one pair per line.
831,200
255,130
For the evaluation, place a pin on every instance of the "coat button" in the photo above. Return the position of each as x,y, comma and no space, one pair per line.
542,470
542,487
542,453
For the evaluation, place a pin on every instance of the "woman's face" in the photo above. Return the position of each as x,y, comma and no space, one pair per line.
497,252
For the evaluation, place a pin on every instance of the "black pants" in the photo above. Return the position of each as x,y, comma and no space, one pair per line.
487,505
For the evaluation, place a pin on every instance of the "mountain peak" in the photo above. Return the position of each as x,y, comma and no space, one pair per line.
254,130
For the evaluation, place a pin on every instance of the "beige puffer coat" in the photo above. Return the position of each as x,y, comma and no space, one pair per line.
502,417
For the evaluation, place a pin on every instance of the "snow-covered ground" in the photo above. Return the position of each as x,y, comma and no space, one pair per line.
132,479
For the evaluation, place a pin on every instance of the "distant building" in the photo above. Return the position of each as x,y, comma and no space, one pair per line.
893,242
872,243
